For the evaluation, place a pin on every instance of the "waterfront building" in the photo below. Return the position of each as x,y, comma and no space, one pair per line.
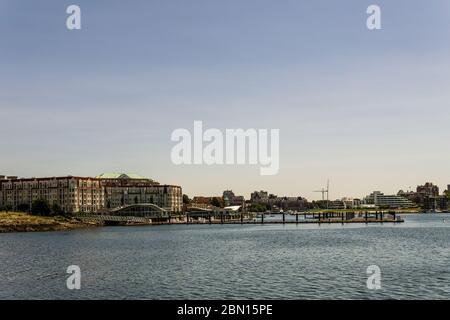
433,203
411,195
345,203
230,199
228,195
259,196
290,203
423,195
276,203
207,202
337,204
379,199
428,189
351,203
72,194
86,194
128,188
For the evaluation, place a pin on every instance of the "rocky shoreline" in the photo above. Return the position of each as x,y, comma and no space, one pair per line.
22,222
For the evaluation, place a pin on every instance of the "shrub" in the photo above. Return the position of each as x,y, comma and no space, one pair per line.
40,207
23,207
6,208
56,209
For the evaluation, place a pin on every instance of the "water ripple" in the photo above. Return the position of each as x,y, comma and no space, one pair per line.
232,262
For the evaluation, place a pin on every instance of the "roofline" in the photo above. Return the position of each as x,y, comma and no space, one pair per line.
51,178
77,178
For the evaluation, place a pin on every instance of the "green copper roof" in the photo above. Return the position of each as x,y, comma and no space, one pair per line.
134,176
119,175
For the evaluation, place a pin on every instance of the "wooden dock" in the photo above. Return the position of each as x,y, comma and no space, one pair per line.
252,218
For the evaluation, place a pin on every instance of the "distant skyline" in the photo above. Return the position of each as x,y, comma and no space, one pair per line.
367,109
247,196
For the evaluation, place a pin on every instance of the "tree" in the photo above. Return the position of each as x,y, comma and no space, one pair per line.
257,207
40,207
56,209
6,208
186,199
23,207
215,202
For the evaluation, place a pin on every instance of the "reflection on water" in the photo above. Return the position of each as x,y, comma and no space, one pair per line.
232,261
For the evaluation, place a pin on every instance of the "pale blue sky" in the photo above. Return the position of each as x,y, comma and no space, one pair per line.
368,109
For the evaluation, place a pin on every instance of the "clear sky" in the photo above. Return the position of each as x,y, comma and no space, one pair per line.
370,110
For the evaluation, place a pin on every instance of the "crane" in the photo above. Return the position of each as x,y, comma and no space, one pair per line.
323,191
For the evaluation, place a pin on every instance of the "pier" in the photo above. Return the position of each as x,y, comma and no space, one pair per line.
244,218
296,218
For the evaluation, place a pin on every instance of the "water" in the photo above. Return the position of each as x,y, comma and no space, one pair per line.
232,261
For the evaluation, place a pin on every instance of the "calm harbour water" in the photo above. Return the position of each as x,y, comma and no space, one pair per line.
232,261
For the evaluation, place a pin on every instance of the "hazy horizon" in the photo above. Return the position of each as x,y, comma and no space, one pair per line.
368,110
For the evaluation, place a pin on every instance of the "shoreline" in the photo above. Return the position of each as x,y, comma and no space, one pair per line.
11,222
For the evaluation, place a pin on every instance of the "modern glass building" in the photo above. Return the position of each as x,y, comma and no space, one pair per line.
393,201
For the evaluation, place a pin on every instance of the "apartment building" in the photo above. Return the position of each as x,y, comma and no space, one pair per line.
72,194
129,188
86,194
275,202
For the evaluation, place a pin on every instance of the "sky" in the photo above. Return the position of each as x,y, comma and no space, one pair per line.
367,109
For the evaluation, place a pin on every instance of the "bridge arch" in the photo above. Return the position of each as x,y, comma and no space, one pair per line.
139,210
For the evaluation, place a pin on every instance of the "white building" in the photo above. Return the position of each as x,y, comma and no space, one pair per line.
379,199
